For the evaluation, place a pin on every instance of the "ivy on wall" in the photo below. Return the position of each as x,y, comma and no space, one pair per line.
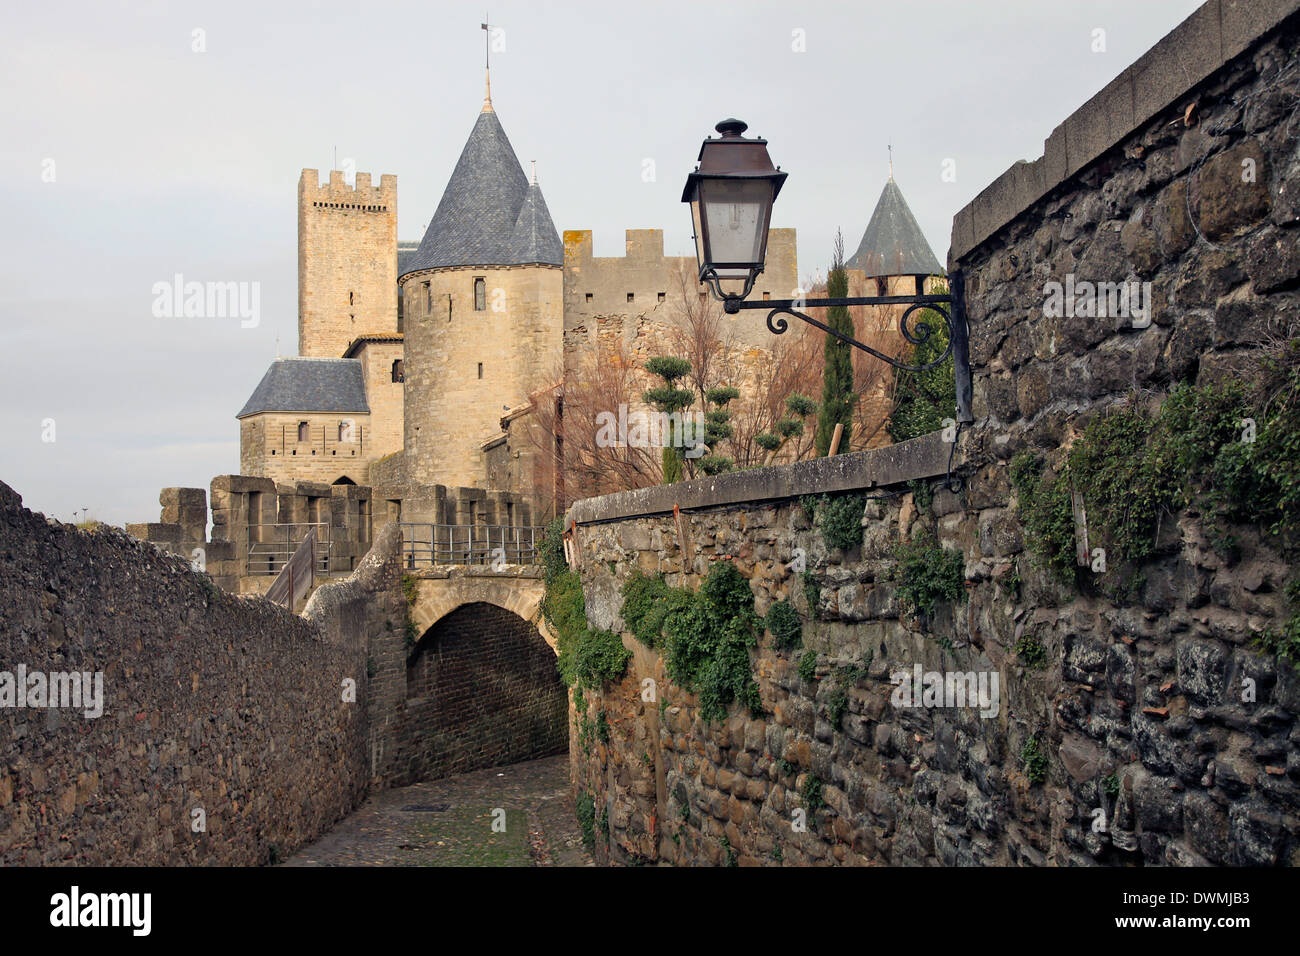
705,635
1230,451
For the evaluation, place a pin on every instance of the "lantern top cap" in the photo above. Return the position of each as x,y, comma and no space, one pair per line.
742,158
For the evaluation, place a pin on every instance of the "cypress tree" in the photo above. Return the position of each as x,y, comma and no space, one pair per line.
838,399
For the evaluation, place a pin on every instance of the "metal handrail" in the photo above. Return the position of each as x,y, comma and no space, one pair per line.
426,544
270,556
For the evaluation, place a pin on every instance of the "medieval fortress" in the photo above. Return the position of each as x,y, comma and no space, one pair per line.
415,358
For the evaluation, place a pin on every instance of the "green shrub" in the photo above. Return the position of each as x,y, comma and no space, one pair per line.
783,622
1110,785
836,706
645,603
586,657
840,520
808,666
926,574
586,812
1034,761
812,593
811,791
706,636
1030,650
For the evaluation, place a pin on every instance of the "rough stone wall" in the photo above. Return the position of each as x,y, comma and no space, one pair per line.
210,702
515,340
1138,707
347,261
269,446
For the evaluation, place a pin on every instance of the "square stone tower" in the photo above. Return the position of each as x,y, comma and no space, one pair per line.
347,261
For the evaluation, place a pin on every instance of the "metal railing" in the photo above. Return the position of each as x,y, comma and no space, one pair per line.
424,545
270,546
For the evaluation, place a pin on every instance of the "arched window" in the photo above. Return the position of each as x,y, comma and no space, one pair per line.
399,371
304,433
480,294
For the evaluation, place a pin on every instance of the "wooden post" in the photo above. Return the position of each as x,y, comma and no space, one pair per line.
835,439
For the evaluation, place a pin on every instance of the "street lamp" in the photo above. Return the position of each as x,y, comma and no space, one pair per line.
731,193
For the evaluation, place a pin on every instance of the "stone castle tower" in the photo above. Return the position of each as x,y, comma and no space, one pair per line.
483,309
347,261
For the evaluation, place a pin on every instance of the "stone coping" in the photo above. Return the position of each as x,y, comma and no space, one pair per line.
923,457
1214,34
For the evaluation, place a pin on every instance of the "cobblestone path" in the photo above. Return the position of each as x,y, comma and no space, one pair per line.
449,822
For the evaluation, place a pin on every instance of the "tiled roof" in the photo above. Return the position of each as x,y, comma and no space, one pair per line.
893,244
489,215
309,385
361,340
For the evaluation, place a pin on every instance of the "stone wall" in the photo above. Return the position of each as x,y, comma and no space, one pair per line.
210,702
1136,709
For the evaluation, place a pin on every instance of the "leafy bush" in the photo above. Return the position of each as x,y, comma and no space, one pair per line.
808,666
1034,761
927,574
783,621
840,520
811,791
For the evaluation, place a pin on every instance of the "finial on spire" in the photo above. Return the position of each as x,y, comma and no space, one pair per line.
534,162
486,26
890,147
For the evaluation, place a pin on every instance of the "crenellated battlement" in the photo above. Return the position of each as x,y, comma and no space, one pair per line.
337,194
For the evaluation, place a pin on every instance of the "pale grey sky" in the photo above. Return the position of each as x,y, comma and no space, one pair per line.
165,160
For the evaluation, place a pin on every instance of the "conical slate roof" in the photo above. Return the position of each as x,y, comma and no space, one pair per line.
534,238
489,215
893,244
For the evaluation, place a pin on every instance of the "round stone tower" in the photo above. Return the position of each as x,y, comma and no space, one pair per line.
483,309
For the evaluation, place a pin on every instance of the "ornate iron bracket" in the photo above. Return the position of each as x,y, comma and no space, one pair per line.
954,318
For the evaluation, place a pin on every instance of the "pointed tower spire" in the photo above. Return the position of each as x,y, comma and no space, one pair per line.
893,244
487,64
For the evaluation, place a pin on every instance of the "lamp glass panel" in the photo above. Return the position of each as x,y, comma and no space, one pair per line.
735,216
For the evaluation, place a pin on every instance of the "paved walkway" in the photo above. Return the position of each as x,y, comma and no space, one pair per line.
458,821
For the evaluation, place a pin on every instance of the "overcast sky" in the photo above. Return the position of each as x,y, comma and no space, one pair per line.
127,157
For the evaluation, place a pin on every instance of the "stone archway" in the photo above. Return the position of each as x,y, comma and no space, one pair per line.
481,691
